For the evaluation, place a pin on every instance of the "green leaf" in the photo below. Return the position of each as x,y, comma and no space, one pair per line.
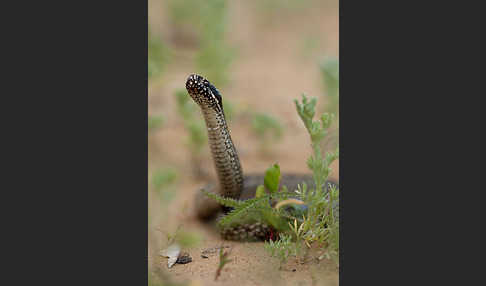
272,178
331,157
260,191
242,209
327,120
228,202
277,222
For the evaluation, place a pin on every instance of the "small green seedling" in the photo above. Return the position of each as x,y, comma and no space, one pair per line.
298,235
281,248
223,260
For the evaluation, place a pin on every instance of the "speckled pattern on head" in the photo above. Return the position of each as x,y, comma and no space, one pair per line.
204,93
227,163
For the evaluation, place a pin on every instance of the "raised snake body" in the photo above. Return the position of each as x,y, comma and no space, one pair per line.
231,181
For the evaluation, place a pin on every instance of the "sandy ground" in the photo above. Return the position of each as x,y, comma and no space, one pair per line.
268,74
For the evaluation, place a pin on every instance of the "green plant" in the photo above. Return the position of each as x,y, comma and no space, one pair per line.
320,223
317,131
298,234
281,248
287,244
257,209
223,260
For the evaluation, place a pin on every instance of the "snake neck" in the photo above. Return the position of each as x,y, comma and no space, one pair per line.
225,157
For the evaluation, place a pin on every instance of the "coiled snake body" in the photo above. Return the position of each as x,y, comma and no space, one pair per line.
231,181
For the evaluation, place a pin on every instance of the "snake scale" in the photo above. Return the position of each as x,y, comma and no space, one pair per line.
232,182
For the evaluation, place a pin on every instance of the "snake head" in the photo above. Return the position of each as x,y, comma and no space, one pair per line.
204,93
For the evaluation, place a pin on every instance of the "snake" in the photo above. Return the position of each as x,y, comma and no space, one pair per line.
232,182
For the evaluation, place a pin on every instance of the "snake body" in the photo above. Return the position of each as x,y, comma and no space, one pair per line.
231,181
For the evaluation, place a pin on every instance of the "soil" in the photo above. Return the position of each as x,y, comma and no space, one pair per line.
273,67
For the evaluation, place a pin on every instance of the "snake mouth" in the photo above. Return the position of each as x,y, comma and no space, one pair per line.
203,92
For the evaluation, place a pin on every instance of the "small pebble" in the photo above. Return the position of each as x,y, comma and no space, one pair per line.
184,258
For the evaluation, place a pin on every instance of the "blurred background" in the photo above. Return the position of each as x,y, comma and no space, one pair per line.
261,55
